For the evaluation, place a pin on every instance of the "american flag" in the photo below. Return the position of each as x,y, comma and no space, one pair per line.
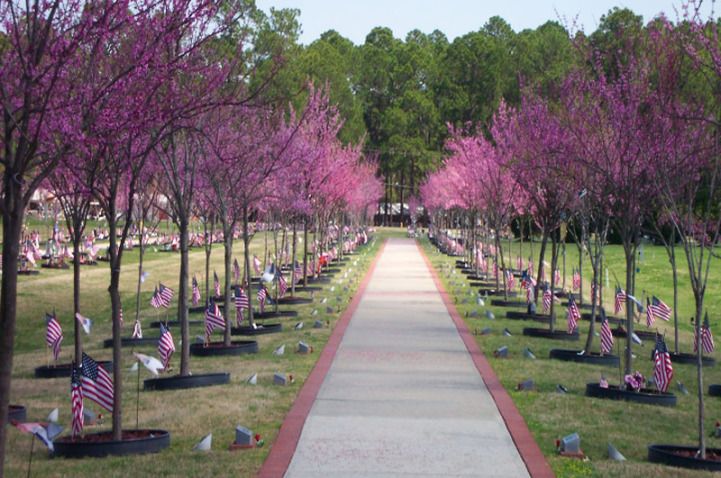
96,382
576,280
707,343
573,315
54,334
530,267
76,400
519,263
196,292
662,370
256,264
241,302
297,272
606,335
236,270
557,277
547,298
650,319
213,320
529,294
216,284
262,296
166,347
166,295
495,270
510,280
659,309
619,300
527,279
282,285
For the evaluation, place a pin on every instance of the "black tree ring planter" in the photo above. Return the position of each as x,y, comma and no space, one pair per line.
645,395
547,334
685,457
691,359
482,285
174,323
319,280
611,319
29,272
180,382
17,412
131,342
642,334
64,369
518,315
497,292
714,390
592,358
331,271
508,303
196,309
216,349
308,288
294,300
259,330
55,266
270,314
580,306
134,442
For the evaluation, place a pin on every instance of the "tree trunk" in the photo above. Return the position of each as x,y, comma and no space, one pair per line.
674,270
246,257
13,211
305,251
630,253
554,263
539,272
183,299
699,378
228,258
76,296
114,291
595,280
141,253
292,262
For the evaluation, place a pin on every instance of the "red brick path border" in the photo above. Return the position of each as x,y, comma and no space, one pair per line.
282,450
527,447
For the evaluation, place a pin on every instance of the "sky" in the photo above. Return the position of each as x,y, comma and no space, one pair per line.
355,18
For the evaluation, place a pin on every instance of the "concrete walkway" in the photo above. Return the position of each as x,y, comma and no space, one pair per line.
402,396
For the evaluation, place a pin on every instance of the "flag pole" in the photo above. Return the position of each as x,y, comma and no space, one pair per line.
32,447
137,399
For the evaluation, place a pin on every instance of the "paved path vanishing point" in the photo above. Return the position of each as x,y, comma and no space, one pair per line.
403,396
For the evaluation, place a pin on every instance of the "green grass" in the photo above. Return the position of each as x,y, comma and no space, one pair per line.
187,414
630,427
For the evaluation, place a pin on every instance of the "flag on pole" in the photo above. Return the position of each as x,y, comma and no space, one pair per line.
262,296
236,271
257,265
96,383
547,298
620,299
166,295
76,400
574,315
166,347
54,334
282,285
576,280
196,292
529,294
658,309
297,272
519,263
606,334
510,280
557,277
137,330
707,344
663,370
241,302
213,320
650,319
216,284
36,429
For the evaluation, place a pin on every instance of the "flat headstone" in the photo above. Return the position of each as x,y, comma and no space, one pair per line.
243,436
507,333
526,385
473,314
528,354
486,331
280,350
489,315
614,454
298,326
571,443
329,310
53,416
318,324
280,379
304,348
561,389
314,313
205,444
682,388
253,379
501,352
